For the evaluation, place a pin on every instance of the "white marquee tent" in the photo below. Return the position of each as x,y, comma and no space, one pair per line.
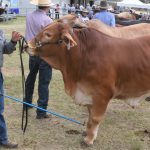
133,3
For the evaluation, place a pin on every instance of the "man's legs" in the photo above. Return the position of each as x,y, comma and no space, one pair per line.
30,81
45,75
3,129
55,15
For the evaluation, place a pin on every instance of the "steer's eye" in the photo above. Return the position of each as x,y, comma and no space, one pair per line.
47,34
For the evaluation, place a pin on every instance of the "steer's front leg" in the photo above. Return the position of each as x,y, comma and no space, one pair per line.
97,111
89,121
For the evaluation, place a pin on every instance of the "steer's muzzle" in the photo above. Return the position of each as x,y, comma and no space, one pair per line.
30,48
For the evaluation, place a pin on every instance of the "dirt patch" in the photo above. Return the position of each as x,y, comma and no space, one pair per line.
144,134
73,132
48,146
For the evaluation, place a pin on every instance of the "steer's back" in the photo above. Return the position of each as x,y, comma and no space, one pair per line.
127,32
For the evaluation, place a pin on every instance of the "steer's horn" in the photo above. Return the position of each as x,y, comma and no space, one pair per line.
69,41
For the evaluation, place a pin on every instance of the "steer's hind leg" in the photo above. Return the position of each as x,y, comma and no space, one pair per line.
97,111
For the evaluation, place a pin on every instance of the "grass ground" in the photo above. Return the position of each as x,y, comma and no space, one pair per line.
123,128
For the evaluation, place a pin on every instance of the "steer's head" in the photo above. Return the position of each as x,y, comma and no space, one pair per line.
52,40
73,21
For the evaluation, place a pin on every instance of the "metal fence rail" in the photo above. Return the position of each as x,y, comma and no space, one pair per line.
25,11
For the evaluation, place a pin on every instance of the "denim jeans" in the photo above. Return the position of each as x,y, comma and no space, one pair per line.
45,74
3,128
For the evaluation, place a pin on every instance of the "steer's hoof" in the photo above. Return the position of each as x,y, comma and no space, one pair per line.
84,134
147,99
85,145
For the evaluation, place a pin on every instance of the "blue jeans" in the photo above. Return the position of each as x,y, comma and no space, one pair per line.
3,128
45,74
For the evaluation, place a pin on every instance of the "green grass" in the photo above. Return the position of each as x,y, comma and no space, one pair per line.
122,128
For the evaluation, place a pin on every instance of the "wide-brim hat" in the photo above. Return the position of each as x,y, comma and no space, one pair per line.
85,11
42,2
103,4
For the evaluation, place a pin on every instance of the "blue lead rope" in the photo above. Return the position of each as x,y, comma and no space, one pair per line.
49,112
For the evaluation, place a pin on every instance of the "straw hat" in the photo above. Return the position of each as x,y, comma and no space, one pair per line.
42,2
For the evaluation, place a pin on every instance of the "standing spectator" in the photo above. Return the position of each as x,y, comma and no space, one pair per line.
35,22
49,13
73,9
6,9
88,7
105,16
90,15
5,48
69,9
84,15
1,3
57,11
52,13
64,10
81,7
77,7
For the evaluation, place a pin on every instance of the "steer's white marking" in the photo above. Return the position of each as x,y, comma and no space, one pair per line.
30,52
134,102
81,97
95,132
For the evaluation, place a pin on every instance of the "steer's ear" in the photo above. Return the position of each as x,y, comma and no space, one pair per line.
68,40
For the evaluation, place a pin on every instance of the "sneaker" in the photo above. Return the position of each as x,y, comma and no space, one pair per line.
43,116
9,145
147,98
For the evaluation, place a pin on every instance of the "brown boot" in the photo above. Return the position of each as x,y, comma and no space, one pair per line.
43,116
9,145
147,98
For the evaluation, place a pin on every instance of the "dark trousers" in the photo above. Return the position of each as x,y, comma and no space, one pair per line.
3,128
45,74
56,15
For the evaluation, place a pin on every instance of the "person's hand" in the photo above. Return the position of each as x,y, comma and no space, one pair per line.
16,36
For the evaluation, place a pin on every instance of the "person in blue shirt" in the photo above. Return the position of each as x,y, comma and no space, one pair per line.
105,16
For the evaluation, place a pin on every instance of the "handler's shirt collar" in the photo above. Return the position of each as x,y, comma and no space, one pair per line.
40,10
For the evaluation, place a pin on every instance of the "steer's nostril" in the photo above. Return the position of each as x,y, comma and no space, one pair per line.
25,46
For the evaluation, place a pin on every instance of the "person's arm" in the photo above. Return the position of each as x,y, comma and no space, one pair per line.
9,47
46,22
94,16
113,22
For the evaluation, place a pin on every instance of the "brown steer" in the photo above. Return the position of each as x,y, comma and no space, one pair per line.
95,67
127,32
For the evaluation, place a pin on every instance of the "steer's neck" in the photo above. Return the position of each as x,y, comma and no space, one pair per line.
71,69
53,61
69,63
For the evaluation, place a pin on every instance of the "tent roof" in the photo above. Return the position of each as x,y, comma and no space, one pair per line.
133,3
